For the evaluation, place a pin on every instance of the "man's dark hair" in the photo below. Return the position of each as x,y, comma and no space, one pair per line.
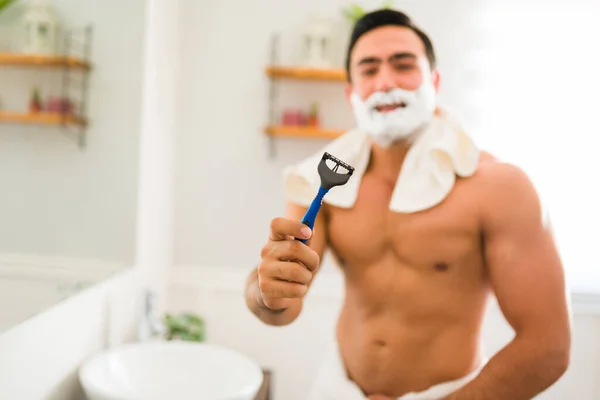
387,17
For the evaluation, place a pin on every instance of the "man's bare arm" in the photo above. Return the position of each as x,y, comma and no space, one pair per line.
528,280
285,310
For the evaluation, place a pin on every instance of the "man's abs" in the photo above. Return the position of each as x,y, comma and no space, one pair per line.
396,338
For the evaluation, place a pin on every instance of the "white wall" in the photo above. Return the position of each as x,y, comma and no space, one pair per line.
58,199
27,297
294,352
539,110
30,285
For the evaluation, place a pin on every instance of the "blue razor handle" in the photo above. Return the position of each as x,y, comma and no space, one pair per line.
330,177
313,210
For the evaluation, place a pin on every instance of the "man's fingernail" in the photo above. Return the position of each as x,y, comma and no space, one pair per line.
306,232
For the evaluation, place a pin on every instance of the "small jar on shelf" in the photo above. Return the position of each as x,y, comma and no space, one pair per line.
293,117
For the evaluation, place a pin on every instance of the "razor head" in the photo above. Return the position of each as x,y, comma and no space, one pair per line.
333,171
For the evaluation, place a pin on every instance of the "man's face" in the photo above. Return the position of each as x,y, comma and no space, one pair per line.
393,90
386,58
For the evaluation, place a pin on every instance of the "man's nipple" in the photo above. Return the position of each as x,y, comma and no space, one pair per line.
441,266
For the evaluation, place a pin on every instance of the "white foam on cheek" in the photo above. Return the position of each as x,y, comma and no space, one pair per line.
387,127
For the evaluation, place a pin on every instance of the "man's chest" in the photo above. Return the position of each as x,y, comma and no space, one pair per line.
445,235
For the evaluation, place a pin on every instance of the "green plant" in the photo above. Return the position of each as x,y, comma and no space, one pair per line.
354,12
185,326
4,4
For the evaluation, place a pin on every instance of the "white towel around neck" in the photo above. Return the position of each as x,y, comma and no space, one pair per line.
441,152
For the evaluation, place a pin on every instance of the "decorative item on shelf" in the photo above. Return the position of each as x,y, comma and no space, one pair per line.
4,4
297,117
59,105
294,117
313,115
35,103
318,40
354,12
40,29
185,326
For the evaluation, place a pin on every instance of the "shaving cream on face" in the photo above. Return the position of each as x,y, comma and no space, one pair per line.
414,109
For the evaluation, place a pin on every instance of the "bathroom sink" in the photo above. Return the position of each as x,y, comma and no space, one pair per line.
160,370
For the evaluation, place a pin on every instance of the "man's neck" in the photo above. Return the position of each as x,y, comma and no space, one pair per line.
386,162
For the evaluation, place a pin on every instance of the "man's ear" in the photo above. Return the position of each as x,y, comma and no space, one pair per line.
435,76
348,90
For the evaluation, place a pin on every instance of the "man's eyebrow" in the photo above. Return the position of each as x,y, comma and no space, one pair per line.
394,57
402,56
369,60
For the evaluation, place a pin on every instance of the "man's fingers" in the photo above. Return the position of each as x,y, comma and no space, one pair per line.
276,289
282,229
291,272
293,250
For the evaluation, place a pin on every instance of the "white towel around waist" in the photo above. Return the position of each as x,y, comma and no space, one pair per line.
332,383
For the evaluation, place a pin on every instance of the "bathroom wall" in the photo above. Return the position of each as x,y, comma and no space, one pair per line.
60,199
520,80
30,285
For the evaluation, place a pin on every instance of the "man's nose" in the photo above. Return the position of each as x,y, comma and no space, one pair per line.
385,80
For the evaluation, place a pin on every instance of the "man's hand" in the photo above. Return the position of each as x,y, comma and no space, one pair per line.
287,265
276,288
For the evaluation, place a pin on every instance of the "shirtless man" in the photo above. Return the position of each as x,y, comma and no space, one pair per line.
417,283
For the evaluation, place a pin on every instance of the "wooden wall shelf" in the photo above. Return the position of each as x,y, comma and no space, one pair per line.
67,65
303,131
18,59
304,73
41,118
276,72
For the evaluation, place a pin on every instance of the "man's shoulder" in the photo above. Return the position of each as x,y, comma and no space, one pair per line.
495,175
504,188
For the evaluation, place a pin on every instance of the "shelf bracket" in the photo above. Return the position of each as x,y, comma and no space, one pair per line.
72,43
273,92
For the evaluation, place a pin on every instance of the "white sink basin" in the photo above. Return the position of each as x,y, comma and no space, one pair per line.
170,370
